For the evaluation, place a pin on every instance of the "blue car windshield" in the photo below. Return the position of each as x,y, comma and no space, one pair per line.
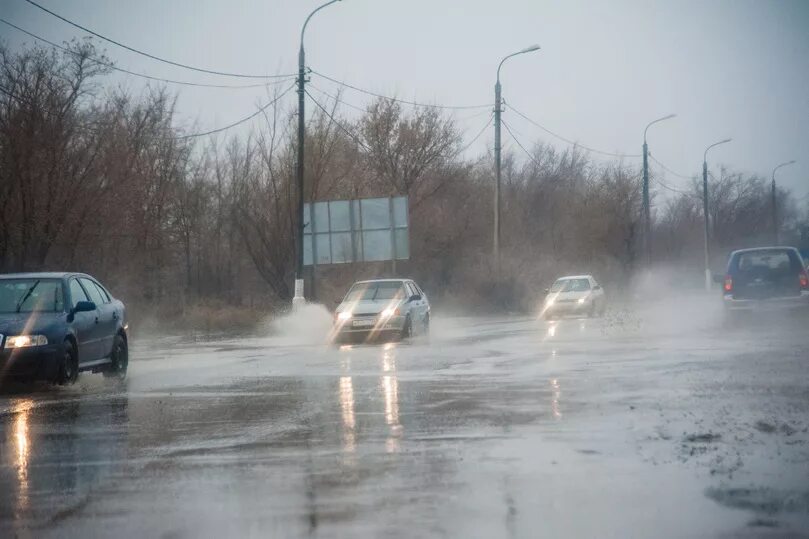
31,295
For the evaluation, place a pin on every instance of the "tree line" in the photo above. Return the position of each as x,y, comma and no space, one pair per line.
97,179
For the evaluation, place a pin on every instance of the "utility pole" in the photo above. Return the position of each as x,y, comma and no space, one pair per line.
299,297
647,214
647,220
705,212
497,109
705,218
774,202
497,150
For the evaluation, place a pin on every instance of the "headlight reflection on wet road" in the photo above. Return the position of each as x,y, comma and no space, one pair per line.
390,389
346,396
21,439
556,392
347,407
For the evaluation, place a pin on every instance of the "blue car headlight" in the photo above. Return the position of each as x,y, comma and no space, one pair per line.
25,341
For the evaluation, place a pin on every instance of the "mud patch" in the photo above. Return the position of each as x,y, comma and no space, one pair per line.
705,438
761,500
763,426
762,523
769,428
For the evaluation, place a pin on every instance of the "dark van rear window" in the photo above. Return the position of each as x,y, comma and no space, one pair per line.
766,261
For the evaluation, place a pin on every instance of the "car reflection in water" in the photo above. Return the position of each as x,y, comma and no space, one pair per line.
556,392
388,386
347,408
21,409
54,451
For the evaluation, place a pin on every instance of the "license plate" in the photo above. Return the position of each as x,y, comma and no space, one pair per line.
362,323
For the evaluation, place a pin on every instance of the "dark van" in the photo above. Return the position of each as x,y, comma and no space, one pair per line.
766,279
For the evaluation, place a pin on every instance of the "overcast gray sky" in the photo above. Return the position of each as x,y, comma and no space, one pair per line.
728,68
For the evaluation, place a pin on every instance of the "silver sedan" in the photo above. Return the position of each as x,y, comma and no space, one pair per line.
396,308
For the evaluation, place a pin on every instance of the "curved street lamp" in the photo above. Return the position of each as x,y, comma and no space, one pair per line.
705,210
497,111
299,296
647,220
773,202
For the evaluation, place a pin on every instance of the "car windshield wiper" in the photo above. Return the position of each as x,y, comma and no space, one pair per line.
27,295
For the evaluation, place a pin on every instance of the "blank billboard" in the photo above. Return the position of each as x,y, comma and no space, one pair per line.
364,230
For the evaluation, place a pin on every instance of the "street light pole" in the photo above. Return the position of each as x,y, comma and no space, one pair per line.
705,211
299,298
647,218
497,147
773,202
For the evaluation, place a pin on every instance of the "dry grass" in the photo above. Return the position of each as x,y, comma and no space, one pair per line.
209,317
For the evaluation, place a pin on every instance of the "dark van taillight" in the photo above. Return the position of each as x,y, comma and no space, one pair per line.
804,280
728,283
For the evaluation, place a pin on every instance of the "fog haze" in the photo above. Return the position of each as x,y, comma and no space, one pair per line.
728,68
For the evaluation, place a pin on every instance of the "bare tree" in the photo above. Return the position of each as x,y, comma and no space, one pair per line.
407,151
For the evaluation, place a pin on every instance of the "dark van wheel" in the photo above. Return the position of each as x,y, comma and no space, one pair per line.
119,359
68,365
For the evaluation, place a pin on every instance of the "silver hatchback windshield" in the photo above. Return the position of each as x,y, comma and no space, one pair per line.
375,291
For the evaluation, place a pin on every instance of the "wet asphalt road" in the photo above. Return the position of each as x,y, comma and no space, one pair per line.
628,426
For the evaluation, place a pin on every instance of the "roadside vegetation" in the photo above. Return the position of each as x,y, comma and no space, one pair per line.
198,231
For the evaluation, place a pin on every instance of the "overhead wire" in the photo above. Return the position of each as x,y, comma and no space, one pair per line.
142,75
664,185
337,98
365,110
668,187
152,56
477,136
243,120
359,142
572,143
396,99
667,169
518,143
531,157
351,135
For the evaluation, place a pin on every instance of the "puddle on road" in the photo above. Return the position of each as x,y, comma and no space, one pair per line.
764,500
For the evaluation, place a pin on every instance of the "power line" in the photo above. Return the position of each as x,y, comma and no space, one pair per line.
152,56
531,157
340,101
365,110
477,136
572,143
337,99
518,143
667,169
664,185
406,102
143,75
234,124
338,124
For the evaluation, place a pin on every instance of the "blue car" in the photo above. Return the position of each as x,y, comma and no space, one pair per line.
55,325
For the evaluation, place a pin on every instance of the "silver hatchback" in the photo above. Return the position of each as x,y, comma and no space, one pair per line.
396,308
